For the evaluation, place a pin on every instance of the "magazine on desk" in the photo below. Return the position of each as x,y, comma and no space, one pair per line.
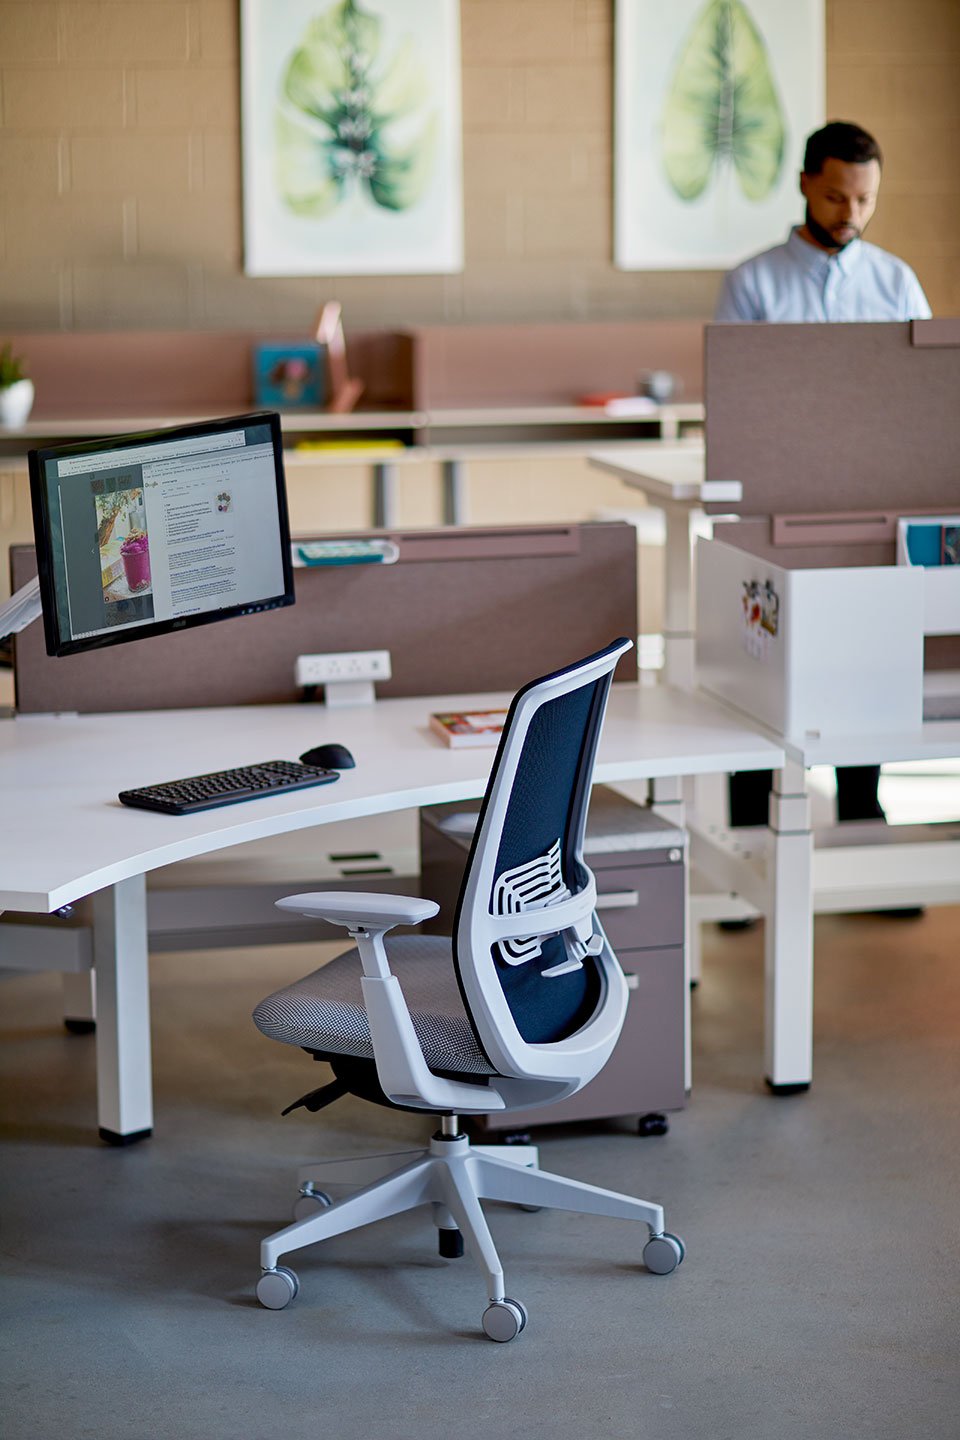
468,727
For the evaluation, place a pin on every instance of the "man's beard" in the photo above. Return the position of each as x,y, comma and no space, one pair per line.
825,237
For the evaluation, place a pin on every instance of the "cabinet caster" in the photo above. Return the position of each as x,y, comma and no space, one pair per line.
653,1124
451,1244
503,1320
663,1253
276,1288
310,1201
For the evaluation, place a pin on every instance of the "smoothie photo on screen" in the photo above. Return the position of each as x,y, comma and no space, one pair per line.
124,544
135,553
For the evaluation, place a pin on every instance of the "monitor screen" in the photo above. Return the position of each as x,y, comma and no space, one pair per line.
141,534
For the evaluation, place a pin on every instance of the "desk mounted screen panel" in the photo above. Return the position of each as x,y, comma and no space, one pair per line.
142,534
462,610
828,419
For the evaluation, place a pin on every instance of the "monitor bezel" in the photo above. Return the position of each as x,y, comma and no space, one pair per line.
56,642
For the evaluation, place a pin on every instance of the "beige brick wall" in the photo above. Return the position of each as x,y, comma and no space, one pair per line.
120,167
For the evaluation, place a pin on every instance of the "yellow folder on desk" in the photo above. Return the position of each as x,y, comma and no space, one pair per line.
375,445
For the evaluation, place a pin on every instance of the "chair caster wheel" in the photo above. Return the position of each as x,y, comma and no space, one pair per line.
515,1137
663,1253
653,1124
503,1320
309,1202
276,1288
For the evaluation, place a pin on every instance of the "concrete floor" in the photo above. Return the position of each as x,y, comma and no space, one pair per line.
819,1299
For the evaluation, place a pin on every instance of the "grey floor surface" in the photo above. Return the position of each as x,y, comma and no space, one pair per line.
819,1300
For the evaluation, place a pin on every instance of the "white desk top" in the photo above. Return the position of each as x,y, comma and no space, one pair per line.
548,414
936,740
66,835
666,472
39,428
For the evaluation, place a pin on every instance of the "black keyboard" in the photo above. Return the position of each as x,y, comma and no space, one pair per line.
227,787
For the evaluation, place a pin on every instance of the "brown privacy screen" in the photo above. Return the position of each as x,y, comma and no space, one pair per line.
550,364
178,373
171,374
832,418
463,609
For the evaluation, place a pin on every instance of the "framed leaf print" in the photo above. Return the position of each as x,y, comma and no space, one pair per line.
714,100
351,137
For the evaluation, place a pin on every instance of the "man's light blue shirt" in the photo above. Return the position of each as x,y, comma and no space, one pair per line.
800,282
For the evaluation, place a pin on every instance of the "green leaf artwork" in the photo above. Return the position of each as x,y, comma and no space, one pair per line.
722,106
337,114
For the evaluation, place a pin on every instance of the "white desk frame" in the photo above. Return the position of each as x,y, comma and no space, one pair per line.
671,478
776,872
779,878
71,838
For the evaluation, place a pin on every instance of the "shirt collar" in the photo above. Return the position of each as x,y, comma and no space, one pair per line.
815,261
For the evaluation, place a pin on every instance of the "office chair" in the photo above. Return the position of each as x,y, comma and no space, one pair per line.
521,1008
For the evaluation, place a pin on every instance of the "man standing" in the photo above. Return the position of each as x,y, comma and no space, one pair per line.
825,271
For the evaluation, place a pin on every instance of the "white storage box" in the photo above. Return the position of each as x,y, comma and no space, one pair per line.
812,651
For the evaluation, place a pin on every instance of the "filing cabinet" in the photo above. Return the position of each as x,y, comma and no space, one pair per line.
639,861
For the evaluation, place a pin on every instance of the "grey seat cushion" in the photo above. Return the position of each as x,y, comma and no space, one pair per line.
324,1011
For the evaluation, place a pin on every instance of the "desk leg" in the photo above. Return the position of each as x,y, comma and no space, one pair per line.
454,492
667,801
124,1098
788,940
384,496
678,637
80,1002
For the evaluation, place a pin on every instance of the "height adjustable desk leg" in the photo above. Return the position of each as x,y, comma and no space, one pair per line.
668,801
454,492
80,1001
788,939
124,1092
385,508
678,638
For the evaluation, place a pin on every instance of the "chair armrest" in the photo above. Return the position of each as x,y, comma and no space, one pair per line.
402,1070
358,910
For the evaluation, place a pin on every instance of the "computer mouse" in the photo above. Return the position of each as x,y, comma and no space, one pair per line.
329,757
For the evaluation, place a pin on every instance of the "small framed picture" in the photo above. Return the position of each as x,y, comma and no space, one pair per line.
290,376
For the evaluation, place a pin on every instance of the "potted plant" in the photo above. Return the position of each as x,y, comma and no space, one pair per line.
16,391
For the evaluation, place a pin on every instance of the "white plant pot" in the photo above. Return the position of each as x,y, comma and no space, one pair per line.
16,402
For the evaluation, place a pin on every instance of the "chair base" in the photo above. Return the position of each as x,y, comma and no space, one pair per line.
453,1177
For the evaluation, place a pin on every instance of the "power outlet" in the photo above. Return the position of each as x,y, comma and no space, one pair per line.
347,667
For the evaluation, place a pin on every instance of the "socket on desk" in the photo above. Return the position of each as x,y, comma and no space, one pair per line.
347,666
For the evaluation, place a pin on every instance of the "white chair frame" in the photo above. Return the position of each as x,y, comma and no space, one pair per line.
450,1174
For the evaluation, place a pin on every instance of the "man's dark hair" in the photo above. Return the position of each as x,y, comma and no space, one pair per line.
840,141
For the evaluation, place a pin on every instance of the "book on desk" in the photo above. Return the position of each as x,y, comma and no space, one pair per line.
460,729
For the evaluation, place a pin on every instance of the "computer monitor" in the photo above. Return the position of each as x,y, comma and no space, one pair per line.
146,533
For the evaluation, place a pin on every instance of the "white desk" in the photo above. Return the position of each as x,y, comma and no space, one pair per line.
671,477
854,867
66,836
781,877
448,437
